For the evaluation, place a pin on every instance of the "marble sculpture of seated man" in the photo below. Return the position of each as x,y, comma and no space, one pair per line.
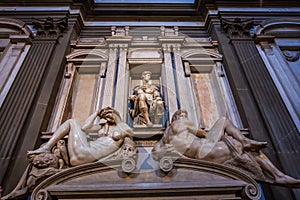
146,100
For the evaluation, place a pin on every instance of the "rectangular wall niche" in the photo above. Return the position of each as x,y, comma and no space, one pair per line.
135,80
213,94
84,92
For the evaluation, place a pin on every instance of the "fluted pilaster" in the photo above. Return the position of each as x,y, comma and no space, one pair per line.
19,99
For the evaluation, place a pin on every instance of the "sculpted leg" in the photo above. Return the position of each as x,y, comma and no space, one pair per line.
61,132
279,177
248,144
144,109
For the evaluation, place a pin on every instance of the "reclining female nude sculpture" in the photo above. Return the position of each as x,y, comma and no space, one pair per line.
114,141
111,132
223,144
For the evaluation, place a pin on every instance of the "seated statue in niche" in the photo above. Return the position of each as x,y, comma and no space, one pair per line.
223,144
114,142
148,106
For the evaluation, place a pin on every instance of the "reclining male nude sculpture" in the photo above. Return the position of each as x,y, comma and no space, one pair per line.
223,144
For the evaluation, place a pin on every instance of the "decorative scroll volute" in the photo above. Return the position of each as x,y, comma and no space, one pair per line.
237,28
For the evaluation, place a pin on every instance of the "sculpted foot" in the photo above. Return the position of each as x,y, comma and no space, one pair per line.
252,145
287,181
149,124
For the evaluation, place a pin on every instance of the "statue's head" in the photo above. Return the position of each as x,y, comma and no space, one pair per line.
110,115
179,114
146,75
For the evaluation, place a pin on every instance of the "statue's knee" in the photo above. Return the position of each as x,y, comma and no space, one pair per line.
79,159
71,121
142,97
160,103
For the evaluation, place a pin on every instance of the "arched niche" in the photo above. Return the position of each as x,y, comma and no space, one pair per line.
140,60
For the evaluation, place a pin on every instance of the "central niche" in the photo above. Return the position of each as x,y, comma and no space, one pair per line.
146,101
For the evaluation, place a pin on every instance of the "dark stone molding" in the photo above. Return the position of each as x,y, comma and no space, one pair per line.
266,94
280,27
16,24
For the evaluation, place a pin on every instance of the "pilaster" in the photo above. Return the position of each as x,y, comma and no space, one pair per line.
23,111
11,63
185,90
66,95
20,97
280,126
169,81
121,97
109,83
284,79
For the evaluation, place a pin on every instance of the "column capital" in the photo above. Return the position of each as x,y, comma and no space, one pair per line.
176,47
50,28
166,47
237,28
